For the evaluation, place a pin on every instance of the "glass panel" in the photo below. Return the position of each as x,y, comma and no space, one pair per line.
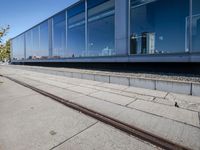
101,28
159,26
33,44
18,48
196,26
29,45
44,40
37,42
76,31
59,35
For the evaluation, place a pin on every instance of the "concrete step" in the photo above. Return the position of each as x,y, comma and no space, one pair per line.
167,85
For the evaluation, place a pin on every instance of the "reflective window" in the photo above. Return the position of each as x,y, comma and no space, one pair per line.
76,31
196,26
101,28
33,44
44,40
18,48
37,42
29,45
59,35
159,26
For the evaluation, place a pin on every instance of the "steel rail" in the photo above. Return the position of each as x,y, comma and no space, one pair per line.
129,129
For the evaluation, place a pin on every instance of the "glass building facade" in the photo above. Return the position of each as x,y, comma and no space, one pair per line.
93,28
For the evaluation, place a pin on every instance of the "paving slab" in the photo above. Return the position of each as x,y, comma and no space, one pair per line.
83,90
9,91
36,122
148,92
172,130
137,96
169,102
101,136
28,81
98,105
113,86
185,101
78,81
113,98
60,92
99,88
174,113
59,84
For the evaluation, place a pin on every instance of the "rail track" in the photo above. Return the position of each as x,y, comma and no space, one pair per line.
129,129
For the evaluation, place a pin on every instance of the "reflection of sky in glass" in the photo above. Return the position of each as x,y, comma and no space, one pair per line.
165,18
29,44
44,39
59,35
18,47
37,42
196,26
101,29
76,31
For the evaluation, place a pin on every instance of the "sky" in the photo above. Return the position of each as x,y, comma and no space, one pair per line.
24,14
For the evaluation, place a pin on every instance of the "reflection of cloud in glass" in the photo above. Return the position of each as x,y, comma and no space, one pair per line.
161,38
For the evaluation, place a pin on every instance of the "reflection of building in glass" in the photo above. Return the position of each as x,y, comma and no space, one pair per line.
144,44
133,46
96,28
148,43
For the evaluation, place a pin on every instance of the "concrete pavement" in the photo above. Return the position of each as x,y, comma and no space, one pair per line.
31,121
150,110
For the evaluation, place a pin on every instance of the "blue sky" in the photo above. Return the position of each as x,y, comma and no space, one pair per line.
23,14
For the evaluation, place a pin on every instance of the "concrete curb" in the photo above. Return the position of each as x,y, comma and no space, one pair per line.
188,88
